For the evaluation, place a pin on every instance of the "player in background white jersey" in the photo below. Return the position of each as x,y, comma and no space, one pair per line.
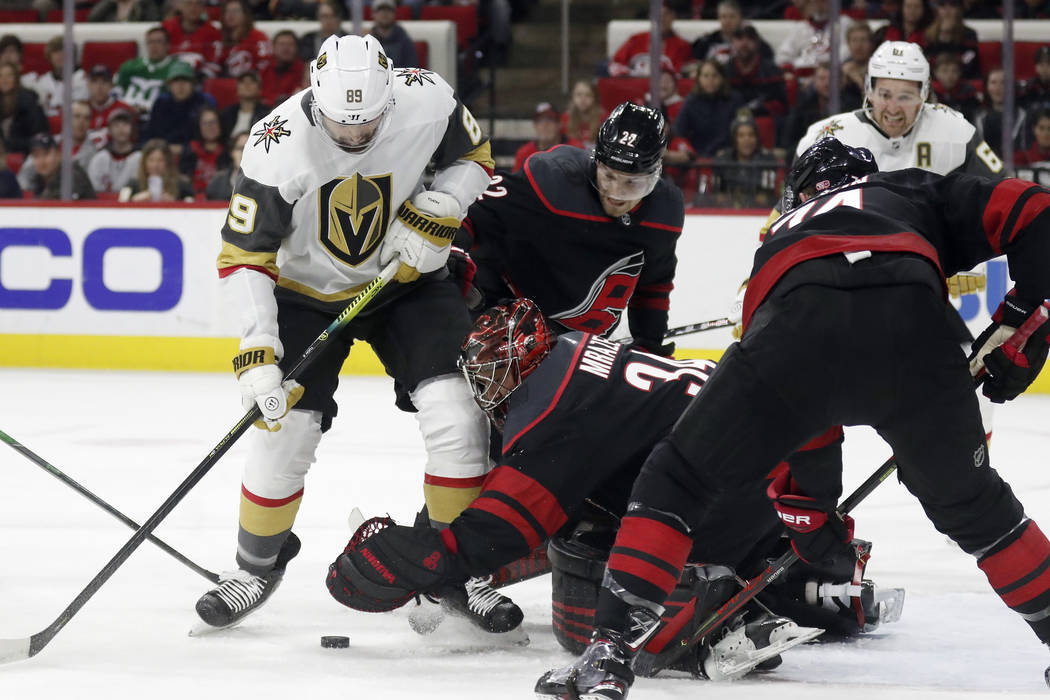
330,191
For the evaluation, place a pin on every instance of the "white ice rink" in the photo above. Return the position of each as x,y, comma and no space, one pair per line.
133,437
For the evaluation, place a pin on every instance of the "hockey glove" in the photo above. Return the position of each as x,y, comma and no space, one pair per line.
462,269
261,383
966,283
736,311
1012,350
421,235
384,565
817,534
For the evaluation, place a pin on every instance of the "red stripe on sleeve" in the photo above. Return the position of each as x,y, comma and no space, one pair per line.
269,502
648,535
1035,205
227,271
504,512
658,303
664,227
468,482
823,440
531,494
998,209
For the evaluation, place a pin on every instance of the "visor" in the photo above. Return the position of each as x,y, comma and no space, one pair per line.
352,138
617,184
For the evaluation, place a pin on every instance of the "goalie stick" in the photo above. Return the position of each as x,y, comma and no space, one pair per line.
72,483
23,648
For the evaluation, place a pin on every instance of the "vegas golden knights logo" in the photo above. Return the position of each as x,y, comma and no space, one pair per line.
353,214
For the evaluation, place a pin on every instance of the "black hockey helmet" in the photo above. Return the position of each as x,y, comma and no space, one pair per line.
505,345
826,164
632,139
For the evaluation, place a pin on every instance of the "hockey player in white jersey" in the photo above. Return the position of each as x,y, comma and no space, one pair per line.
330,191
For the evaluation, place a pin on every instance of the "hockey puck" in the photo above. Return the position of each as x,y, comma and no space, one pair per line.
335,642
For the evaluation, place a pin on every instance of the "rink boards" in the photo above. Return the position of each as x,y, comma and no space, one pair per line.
116,286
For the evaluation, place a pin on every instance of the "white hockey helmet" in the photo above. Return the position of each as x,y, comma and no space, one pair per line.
353,91
900,60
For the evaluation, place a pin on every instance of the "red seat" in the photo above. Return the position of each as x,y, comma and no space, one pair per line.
402,13
14,161
109,53
767,131
1024,58
214,12
79,15
791,87
614,91
33,59
25,16
107,196
685,86
224,90
422,53
465,17
990,54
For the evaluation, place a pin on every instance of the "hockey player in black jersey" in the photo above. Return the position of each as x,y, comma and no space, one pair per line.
587,236
578,415
845,324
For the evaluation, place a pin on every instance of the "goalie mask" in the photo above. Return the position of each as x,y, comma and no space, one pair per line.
825,165
505,345
352,81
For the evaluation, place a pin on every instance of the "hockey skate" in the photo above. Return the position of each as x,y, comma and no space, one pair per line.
878,605
603,671
481,604
240,592
742,646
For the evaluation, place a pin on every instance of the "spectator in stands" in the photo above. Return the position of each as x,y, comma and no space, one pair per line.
1035,92
194,40
141,80
947,33
745,173
951,89
1033,9
1039,152
547,123
158,180
908,24
47,178
397,44
20,113
809,43
860,45
9,187
989,118
329,16
221,186
812,106
102,103
249,108
174,112
670,101
717,44
49,85
83,149
206,154
125,11
708,110
584,114
244,48
285,75
113,167
11,52
759,82
632,58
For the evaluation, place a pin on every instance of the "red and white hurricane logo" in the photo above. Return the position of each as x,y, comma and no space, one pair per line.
607,298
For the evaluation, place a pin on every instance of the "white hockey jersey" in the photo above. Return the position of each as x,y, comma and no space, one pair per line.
940,141
312,217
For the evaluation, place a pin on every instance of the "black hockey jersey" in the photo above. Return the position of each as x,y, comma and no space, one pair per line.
541,233
951,222
580,426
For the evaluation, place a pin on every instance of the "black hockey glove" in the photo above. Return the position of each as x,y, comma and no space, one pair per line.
462,269
818,534
1009,353
384,565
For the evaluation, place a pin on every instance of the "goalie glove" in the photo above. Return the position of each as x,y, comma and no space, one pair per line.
421,235
1009,353
818,534
260,380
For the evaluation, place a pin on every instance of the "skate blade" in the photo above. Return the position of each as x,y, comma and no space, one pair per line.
746,660
426,617
203,629
891,604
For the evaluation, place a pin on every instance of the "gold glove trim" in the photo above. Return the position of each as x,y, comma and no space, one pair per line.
438,230
252,357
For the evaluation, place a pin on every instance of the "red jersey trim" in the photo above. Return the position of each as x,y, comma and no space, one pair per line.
270,502
227,271
664,227
469,482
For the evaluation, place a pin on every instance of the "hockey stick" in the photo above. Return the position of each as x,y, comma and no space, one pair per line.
19,649
699,327
69,481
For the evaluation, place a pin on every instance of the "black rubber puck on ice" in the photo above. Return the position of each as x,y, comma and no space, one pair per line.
335,642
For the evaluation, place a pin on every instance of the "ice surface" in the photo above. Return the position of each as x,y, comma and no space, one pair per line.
133,437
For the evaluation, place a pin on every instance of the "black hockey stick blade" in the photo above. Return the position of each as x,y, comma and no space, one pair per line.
23,648
72,483
699,327
778,567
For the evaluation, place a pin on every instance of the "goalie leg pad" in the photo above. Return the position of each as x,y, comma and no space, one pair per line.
383,571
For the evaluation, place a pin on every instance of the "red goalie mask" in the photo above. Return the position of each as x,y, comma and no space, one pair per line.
505,345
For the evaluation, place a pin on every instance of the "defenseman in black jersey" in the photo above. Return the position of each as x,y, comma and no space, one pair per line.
586,236
844,323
